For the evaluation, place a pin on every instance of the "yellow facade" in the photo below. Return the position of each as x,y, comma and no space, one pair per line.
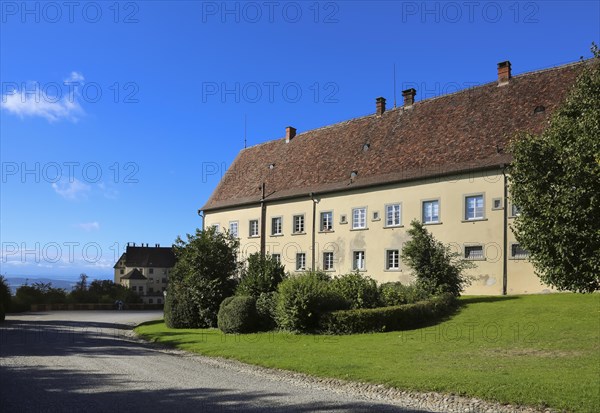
379,241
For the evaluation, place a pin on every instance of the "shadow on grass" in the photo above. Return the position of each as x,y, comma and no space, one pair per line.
485,299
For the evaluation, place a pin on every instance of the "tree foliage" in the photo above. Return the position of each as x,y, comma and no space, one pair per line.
437,268
262,275
203,276
5,297
555,182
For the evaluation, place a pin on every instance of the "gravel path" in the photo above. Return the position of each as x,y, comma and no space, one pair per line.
91,362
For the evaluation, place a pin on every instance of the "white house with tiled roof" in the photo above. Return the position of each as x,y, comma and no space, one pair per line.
340,198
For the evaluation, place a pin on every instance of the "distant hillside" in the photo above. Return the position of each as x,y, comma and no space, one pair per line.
16,282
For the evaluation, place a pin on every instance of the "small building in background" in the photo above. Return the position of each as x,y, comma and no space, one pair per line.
145,270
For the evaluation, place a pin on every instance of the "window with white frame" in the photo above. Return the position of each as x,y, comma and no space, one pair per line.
253,230
392,215
514,210
474,207
518,252
359,218
234,228
298,224
276,258
358,260
327,221
276,226
328,261
474,252
300,261
431,211
392,260
217,227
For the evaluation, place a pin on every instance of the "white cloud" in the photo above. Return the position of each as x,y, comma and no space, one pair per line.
72,191
33,100
89,226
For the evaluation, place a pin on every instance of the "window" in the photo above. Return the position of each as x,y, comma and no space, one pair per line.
358,260
431,212
158,301
164,270
253,228
328,261
141,289
474,207
276,226
392,215
514,210
164,280
474,252
376,216
300,261
121,271
517,252
276,258
359,218
343,219
298,224
151,271
392,260
497,203
234,229
150,290
150,300
327,221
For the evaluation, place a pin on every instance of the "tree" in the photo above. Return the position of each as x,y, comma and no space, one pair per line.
437,268
82,283
555,182
5,297
204,275
262,275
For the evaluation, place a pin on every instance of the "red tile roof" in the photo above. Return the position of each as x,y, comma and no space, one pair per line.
462,131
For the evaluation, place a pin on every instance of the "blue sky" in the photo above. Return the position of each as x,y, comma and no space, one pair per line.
117,120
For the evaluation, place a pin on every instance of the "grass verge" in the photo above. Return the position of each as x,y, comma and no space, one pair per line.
540,350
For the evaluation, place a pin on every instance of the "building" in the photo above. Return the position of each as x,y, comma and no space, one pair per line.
340,198
145,270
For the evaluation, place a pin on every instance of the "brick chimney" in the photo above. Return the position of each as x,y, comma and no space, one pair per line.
409,97
380,105
289,134
504,73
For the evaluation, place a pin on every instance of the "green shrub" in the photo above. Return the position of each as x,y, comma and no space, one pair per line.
303,298
359,291
202,278
262,275
266,305
438,269
407,316
395,293
238,315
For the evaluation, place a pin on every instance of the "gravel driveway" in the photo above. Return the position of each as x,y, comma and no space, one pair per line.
88,362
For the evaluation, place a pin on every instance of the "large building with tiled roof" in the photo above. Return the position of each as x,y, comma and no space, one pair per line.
340,198
145,270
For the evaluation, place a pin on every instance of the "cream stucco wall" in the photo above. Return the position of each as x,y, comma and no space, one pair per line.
452,229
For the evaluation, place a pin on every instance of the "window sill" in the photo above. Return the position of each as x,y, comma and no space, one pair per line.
518,258
392,270
474,259
358,229
254,236
329,231
392,226
297,233
474,220
356,269
433,223
276,235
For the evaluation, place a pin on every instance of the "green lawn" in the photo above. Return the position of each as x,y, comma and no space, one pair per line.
541,350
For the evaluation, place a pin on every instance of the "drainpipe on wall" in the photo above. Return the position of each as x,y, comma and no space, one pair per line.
263,222
201,215
314,224
505,234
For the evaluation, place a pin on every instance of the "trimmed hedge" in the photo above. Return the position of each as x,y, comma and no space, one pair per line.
266,304
238,315
392,294
382,319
